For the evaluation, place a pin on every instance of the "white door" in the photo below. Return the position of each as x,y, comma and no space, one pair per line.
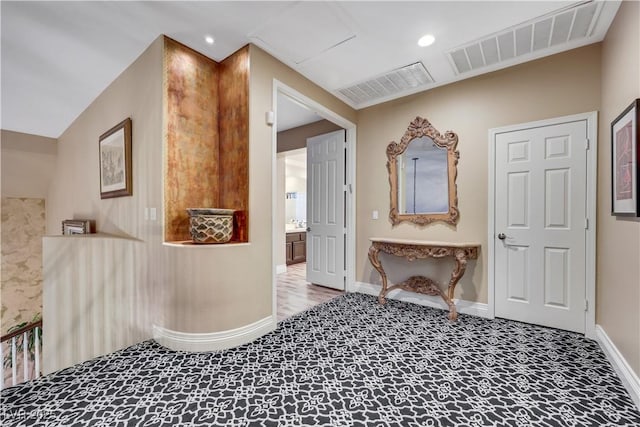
540,222
325,209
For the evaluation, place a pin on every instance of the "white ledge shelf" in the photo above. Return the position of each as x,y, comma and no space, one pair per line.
92,236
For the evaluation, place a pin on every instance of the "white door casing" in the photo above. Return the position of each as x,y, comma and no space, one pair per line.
540,267
325,209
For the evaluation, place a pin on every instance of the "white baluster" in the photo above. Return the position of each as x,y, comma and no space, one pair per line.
14,360
25,356
36,343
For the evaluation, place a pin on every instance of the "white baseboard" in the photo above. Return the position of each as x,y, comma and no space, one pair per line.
282,268
212,341
629,378
463,306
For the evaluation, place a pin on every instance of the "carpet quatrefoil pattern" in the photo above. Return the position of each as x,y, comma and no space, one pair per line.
348,362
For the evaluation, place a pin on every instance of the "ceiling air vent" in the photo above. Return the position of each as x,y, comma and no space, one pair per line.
563,26
392,84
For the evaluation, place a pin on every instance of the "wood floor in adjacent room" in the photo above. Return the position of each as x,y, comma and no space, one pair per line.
295,294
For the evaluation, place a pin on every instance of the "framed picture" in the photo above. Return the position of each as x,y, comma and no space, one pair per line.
76,226
115,161
625,174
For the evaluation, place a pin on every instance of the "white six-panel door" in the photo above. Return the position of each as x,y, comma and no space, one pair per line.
540,221
325,209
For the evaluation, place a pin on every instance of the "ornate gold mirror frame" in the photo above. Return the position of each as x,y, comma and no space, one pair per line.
418,128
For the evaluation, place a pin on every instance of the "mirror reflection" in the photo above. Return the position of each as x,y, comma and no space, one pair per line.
423,180
295,208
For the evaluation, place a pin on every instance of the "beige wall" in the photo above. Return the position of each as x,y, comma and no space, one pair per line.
559,85
92,302
75,193
28,163
618,247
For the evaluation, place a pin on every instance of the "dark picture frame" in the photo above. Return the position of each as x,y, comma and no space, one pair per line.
115,161
625,168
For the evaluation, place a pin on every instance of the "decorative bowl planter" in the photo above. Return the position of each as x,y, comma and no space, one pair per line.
209,225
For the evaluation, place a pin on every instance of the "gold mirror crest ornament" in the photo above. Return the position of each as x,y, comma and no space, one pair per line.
420,130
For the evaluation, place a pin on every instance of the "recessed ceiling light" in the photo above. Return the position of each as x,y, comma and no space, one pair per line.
426,40
209,39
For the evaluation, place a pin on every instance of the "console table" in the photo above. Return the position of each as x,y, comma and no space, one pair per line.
420,249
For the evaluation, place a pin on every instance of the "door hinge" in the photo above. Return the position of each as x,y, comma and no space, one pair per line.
586,305
586,144
586,223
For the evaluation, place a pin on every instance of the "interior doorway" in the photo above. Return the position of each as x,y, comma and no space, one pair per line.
296,114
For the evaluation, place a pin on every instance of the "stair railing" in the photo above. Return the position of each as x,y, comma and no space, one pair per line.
29,338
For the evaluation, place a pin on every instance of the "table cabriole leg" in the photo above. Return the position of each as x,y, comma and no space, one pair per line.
461,265
375,261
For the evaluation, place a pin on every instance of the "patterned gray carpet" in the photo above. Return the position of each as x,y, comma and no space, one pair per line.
347,362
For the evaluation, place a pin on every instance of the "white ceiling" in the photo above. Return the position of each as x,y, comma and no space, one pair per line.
291,114
57,57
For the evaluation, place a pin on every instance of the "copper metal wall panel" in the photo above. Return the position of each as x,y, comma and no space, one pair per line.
234,138
191,126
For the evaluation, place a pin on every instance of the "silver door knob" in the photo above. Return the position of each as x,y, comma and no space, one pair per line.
308,228
502,236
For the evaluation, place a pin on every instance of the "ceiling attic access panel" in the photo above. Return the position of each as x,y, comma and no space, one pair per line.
198,162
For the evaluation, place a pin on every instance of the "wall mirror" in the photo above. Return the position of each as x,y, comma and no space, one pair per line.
422,174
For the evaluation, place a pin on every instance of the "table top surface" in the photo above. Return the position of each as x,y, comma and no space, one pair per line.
425,242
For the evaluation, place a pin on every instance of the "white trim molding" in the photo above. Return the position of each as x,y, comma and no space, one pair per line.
629,378
212,341
465,307
591,120
282,268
